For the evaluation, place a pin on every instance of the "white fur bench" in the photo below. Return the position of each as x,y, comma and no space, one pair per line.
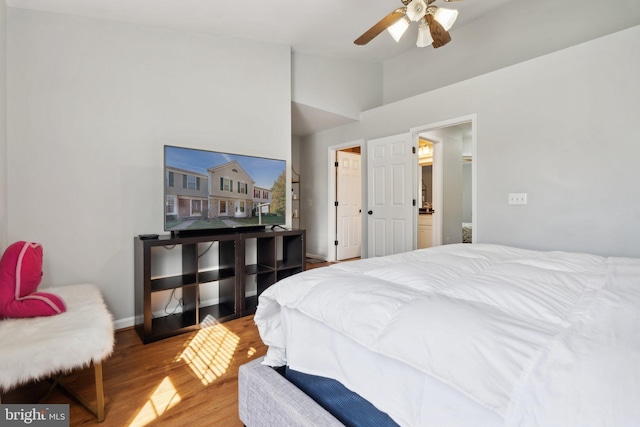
43,347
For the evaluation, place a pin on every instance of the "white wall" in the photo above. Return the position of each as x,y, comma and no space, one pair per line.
295,153
340,86
3,127
91,104
517,31
544,126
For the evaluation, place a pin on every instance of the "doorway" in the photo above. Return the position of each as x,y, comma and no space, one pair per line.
425,192
345,196
454,185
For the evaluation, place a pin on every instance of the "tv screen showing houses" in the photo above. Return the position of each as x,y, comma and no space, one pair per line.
212,190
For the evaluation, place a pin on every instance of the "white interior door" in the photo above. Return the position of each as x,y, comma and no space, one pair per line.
391,168
348,211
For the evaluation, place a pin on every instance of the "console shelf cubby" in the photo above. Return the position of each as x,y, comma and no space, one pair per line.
267,259
216,277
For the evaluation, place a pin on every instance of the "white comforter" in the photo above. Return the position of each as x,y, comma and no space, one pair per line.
538,338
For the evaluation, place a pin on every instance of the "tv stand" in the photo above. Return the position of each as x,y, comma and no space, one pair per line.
273,227
219,276
215,231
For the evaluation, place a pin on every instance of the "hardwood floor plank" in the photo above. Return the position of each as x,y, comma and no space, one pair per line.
182,380
190,379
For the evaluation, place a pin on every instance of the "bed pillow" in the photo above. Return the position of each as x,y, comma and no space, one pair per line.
20,275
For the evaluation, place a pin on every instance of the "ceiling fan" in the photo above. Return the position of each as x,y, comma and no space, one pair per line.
433,23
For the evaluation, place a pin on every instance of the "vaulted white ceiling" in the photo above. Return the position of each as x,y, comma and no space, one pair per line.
323,27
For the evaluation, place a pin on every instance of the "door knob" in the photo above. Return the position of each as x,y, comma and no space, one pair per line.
370,212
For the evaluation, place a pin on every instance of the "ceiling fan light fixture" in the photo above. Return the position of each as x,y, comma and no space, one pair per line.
433,23
398,28
416,10
424,35
446,17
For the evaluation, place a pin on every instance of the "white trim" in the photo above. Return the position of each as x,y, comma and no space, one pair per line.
240,209
229,180
331,215
316,256
226,205
195,182
174,197
127,322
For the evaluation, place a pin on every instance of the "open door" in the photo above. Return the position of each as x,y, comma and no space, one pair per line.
348,209
391,168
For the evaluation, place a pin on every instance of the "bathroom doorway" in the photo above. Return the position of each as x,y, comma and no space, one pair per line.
447,175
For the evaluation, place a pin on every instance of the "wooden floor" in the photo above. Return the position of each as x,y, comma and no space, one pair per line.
190,379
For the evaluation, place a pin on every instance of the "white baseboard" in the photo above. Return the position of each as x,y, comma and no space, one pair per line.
322,257
124,323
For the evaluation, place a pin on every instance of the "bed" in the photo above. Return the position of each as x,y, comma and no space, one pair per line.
468,335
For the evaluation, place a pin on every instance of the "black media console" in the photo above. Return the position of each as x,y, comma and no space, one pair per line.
219,277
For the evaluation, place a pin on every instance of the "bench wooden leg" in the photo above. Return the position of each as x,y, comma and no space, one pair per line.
98,410
99,391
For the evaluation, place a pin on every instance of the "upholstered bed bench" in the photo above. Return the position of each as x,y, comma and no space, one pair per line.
267,399
44,347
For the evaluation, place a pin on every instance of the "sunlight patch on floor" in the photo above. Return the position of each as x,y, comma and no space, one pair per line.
210,351
163,398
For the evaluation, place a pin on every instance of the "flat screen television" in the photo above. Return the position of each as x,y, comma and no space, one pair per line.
209,191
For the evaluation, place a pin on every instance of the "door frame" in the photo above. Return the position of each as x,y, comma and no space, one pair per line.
331,215
438,171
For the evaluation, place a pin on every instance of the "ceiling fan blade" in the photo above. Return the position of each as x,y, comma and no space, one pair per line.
438,33
384,23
